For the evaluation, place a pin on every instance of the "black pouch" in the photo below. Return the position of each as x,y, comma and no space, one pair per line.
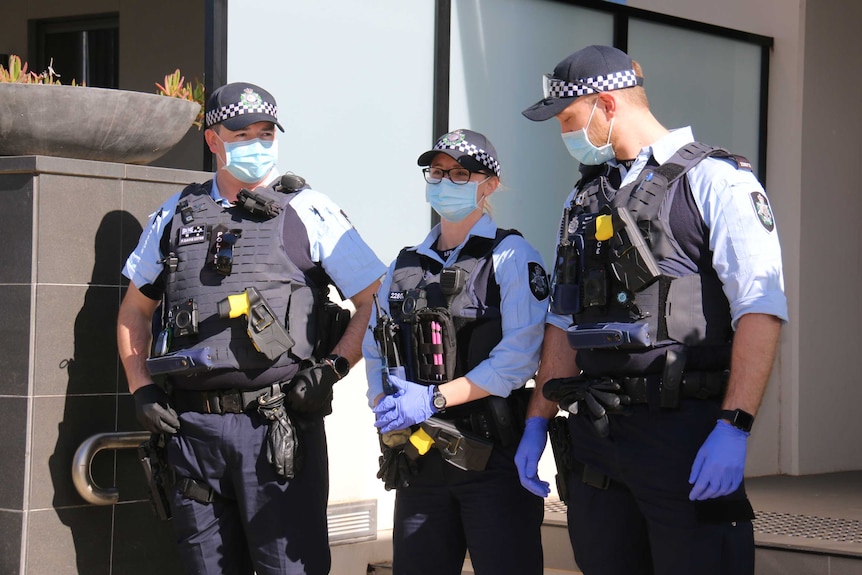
434,356
332,320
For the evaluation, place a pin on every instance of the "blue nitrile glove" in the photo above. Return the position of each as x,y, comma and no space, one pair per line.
412,403
720,463
528,454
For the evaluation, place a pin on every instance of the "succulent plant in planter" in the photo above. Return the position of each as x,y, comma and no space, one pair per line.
40,117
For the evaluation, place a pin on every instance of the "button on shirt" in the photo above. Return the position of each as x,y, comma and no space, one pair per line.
514,359
746,255
334,242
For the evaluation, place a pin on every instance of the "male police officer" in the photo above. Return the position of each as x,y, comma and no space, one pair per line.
667,305
242,264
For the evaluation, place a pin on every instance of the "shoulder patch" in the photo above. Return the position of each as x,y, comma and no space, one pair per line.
763,211
538,281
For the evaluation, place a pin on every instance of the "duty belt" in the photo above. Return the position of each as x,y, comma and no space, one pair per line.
694,385
220,401
495,418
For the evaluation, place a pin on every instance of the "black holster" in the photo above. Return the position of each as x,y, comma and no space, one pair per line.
159,475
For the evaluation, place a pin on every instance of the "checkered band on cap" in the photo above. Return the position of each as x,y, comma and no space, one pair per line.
245,106
615,81
457,141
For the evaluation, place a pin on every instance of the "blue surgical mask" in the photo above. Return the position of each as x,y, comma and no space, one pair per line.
250,161
453,202
583,150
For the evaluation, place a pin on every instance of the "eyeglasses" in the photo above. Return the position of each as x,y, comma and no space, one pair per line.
457,175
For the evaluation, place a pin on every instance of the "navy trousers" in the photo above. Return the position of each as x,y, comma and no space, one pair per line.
446,511
644,523
257,522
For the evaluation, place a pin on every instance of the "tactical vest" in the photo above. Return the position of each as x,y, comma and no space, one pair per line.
635,271
204,236
451,314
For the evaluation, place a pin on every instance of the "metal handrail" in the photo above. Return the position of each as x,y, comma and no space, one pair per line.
81,475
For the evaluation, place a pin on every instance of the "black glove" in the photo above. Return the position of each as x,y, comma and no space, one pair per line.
310,390
282,446
599,396
396,468
154,411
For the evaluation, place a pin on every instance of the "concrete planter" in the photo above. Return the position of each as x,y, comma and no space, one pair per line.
90,123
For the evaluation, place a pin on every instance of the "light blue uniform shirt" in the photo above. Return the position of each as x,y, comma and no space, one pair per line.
746,256
515,358
334,242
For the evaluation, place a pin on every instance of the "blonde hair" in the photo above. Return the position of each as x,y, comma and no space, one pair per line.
636,95
487,207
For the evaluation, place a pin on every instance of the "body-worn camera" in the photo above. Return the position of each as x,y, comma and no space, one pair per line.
184,317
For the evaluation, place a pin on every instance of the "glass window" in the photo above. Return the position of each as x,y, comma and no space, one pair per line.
500,51
704,81
85,49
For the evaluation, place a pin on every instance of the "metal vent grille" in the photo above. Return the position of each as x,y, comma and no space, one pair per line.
352,521
554,506
810,527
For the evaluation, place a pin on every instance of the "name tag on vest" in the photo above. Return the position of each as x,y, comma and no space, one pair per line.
192,235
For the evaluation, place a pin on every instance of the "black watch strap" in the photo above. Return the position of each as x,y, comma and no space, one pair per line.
339,364
738,418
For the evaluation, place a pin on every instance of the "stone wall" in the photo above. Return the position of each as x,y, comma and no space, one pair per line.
68,227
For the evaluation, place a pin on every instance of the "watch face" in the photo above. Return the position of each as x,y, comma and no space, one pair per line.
744,420
439,400
739,418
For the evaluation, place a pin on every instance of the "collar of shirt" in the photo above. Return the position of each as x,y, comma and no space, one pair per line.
485,228
217,197
662,150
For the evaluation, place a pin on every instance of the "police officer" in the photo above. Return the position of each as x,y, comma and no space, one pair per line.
492,289
667,304
241,264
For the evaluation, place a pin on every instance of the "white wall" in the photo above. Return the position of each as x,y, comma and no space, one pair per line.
353,81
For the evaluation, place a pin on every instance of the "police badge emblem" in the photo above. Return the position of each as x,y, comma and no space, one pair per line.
763,211
538,281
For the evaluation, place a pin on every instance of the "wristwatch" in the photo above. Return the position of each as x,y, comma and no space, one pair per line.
339,364
439,400
738,418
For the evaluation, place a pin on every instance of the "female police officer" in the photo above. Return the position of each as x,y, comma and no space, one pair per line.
468,305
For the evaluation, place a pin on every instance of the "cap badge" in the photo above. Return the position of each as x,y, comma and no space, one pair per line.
453,138
250,99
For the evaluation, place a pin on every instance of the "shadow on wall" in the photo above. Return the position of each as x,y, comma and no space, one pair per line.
125,538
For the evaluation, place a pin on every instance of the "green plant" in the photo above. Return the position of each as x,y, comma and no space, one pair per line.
18,73
175,86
